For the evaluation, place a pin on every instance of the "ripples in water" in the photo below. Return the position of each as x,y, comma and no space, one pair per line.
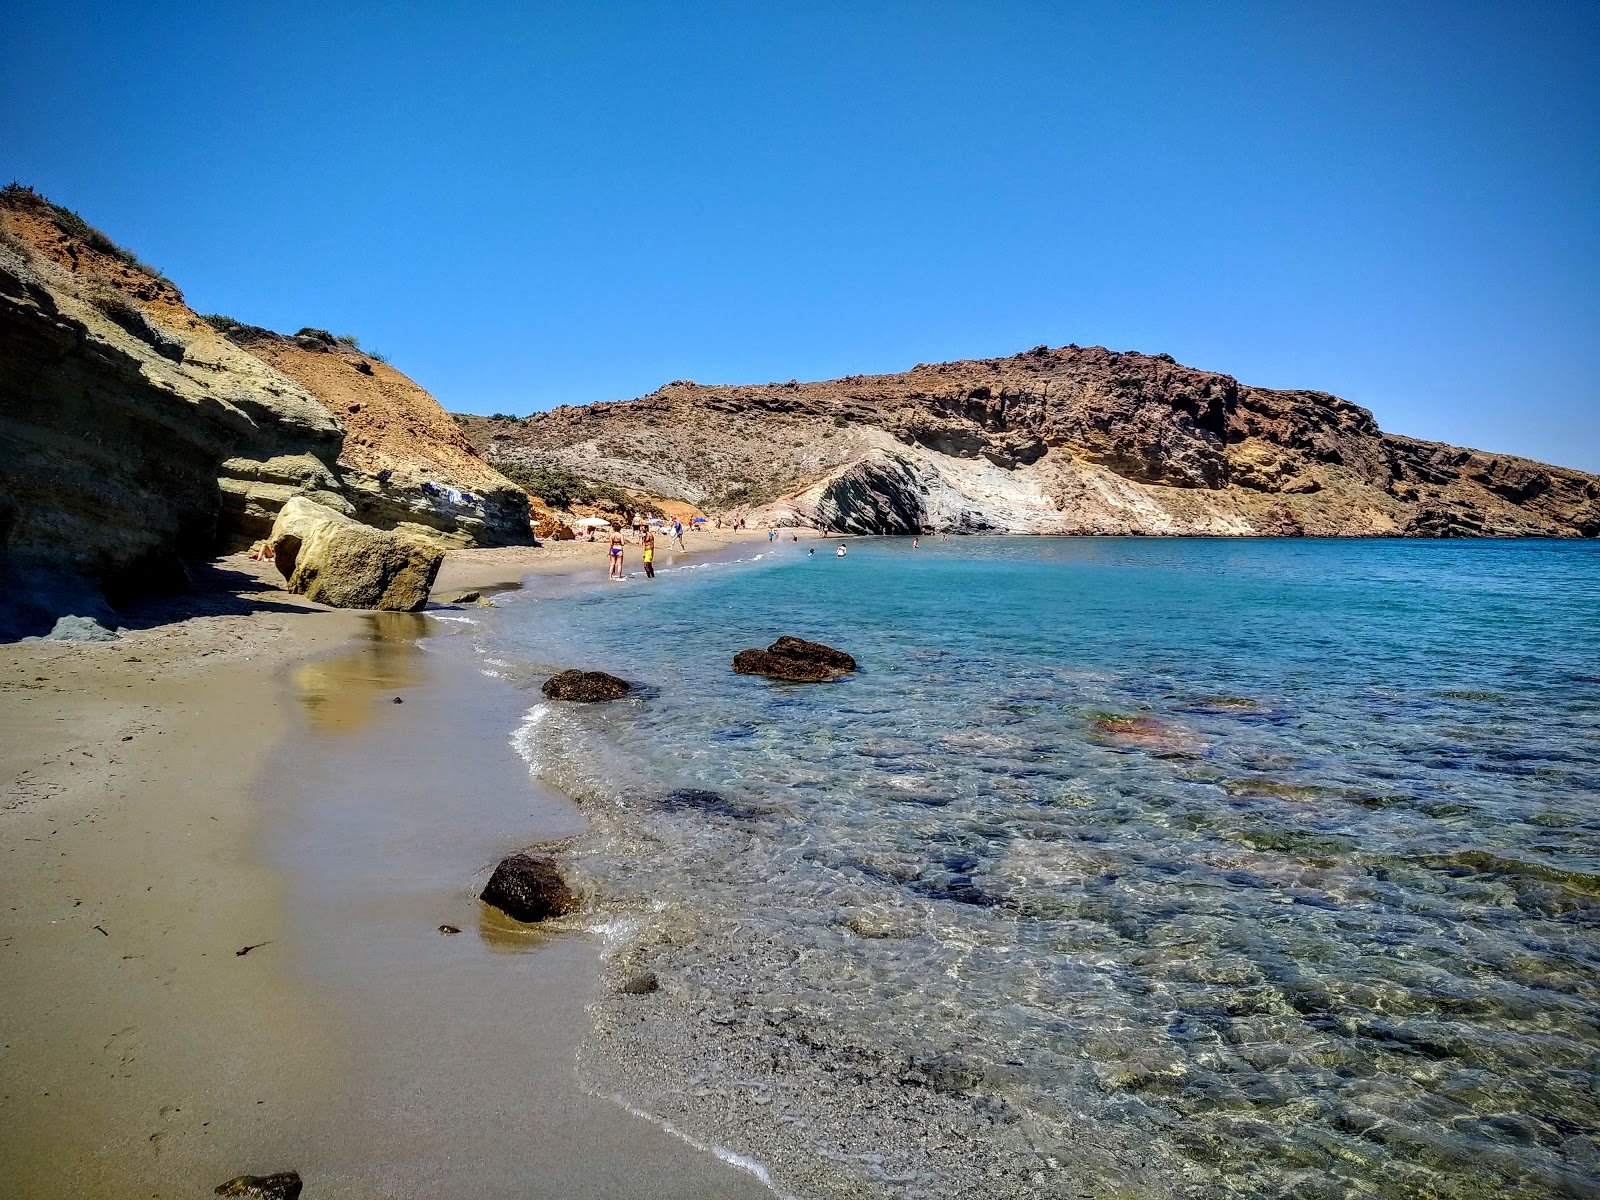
1119,868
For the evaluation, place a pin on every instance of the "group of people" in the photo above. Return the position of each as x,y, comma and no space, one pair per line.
645,534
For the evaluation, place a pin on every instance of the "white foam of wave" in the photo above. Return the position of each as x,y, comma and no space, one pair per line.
616,933
458,620
523,740
730,1157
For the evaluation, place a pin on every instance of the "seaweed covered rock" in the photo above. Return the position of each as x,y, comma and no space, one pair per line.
285,1185
795,659
332,559
529,888
587,687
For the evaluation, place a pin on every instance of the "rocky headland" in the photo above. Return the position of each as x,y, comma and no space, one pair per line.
137,436
1064,440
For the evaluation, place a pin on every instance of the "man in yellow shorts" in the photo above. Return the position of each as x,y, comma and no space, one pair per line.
650,551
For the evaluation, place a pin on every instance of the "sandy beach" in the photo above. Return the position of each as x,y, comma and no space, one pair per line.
187,942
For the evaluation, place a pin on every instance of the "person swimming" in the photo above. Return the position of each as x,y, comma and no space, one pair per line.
839,553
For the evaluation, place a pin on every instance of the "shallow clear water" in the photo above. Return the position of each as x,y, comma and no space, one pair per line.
1120,867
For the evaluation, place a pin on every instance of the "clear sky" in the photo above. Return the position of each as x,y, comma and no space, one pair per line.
532,204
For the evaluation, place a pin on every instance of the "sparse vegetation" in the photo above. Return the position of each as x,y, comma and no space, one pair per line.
222,324
1129,383
114,304
745,495
561,488
840,420
20,196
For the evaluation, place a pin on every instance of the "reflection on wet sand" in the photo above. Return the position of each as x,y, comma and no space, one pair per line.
339,695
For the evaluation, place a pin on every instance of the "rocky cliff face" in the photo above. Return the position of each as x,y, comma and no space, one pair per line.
134,435
403,455
1075,440
117,413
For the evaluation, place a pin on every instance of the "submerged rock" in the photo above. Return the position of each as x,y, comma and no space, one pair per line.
334,560
587,687
285,1185
642,984
529,888
795,659
710,803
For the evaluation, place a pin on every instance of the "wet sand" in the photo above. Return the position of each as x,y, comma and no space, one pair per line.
185,792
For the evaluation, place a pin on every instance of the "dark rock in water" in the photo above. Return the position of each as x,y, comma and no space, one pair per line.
961,890
703,801
585,686
795,659
397,700
283,1186
447,930
467,598
529,887
794,647
642,984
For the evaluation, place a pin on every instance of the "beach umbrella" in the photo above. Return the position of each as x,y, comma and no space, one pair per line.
699,521
592,522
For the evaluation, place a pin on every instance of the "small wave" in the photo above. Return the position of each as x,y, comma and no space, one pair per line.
523,737
730,1157
457,620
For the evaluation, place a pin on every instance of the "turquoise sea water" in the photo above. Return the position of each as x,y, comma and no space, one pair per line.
1250,868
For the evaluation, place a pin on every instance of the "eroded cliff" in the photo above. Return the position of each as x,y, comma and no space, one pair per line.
1065,440
134,435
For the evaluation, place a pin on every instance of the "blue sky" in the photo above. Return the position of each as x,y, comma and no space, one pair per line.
533,204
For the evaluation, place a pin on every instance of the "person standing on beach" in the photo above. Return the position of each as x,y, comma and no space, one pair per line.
677,532
649,552
616,556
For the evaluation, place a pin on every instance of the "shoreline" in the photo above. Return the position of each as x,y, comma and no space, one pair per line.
144,1046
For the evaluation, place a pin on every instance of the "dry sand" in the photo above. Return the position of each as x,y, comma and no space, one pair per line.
185,792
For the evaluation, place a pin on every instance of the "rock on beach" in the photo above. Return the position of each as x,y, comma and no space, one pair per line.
795,659
529,888
587,687
334,560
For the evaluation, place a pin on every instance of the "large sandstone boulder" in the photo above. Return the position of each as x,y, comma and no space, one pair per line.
529,888
795,659
331,559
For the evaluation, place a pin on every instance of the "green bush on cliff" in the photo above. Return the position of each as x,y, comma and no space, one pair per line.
560,488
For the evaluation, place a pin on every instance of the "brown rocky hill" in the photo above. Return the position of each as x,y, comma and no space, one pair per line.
394,431
134,435
1072,440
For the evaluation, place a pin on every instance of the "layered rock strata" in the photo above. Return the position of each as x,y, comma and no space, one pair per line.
118,411
134,435
1070,440
403,458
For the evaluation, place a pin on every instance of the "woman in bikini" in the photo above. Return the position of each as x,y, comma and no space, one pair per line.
616,556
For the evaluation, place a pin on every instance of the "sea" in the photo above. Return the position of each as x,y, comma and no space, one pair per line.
1120,868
